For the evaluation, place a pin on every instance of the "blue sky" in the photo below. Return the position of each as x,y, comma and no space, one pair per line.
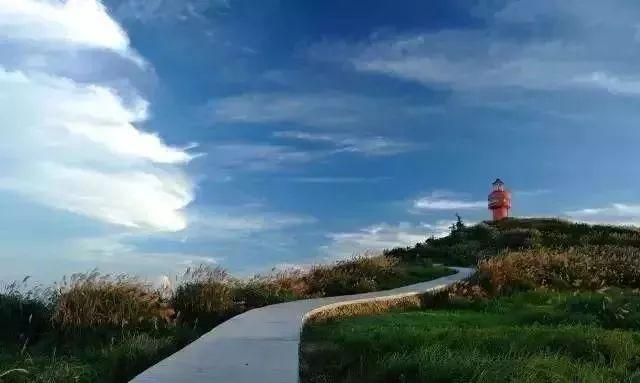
145,136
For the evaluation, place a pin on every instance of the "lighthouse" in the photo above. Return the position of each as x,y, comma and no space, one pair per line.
499,200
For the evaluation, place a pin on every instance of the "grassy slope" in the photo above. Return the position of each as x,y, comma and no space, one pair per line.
528,337
117,356
465,246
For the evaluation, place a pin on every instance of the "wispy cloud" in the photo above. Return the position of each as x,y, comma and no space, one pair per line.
118,249
238,223
531,193
258,157
321,109
372,146
585,50
440,200
170,10
377,238
339,180
615,213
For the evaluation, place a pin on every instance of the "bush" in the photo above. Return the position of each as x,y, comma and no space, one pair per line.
24,315
482,233
90,301
135,353
519,238
205,298
267,290
357,275
590,267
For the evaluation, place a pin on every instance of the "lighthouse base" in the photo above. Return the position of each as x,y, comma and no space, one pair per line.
501,213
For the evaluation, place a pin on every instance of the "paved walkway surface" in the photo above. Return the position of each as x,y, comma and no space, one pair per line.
261,345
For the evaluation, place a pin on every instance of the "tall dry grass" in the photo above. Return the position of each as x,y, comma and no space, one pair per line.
205,297
209,295
94,301
579,268
356,275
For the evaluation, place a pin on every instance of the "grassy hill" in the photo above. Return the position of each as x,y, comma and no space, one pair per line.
465,245
552,301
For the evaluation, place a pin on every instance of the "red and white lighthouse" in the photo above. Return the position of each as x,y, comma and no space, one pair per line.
499,200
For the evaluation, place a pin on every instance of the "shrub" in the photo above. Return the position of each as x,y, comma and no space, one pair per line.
24,314
465,245
591,267
91,301
357,275
482,233
519,238
136,352
266,290
205,298
611,307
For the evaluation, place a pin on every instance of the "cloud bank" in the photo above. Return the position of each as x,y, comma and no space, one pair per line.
77,146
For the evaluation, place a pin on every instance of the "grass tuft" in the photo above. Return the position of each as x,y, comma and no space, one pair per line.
93,301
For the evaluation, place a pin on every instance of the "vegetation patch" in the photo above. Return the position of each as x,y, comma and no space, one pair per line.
539,336
552,301
102,328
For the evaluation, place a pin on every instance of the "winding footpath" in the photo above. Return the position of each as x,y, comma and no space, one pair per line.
261,345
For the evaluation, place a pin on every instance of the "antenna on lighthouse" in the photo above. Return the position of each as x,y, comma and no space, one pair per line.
499,200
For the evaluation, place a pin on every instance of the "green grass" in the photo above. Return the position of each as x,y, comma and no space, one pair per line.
91,359
527,337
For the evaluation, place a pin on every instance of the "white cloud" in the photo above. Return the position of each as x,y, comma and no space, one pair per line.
145,200
531,193
446,201
110,252
433,59
584,45
383,236
327,109
612,84
615,213
74,22
321,109
170,10
224,223
257,157
339,180
373,146
68,111
75,146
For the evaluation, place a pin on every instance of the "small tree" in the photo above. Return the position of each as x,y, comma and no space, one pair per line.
458,226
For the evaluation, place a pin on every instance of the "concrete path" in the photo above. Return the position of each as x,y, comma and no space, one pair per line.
261,345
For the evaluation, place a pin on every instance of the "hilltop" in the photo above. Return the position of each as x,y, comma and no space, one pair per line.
465,245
